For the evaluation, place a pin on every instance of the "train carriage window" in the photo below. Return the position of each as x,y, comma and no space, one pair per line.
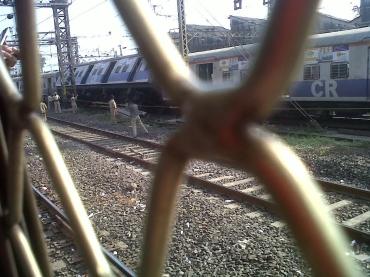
125,67
311,72
118,68
205,71
94,72
339,71
100,71
243,74
226,75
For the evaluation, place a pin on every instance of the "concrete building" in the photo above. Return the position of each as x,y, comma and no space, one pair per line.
202,38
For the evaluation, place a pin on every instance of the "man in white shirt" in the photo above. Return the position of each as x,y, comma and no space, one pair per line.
50,102
74,104
112,108
56,99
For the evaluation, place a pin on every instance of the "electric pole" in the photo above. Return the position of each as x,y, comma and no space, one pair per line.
63,41
270,5
65,51
183,39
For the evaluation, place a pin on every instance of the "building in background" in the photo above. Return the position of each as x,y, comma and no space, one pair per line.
247,30
202,37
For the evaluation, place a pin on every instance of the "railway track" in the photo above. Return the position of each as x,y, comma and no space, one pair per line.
59,237
347,203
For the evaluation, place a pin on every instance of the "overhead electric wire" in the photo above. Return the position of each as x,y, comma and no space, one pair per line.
88,10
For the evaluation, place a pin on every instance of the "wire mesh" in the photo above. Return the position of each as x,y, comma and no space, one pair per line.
219,124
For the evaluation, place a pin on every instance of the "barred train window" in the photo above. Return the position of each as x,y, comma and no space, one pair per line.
226,75
339,71
311,72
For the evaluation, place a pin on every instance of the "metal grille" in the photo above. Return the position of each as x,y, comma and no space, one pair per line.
339,71
221,125
311,72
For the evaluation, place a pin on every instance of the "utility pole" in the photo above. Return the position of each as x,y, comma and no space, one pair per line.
63,39
270,5
64,44
183,39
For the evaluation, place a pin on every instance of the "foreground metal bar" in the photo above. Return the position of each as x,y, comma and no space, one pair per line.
162,208
35,229
287,178
15,177
30,54
216,130
113,260
23,252
85,236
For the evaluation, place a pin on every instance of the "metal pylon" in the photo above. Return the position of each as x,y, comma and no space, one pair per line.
64,46
183,40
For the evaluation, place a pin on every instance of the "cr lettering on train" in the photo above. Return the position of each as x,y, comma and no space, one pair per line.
324,88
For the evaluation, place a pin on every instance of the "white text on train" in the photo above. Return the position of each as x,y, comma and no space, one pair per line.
324,88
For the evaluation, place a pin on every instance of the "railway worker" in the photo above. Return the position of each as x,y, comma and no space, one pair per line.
135,117
113,109
50,102
73,103
43,110
56,99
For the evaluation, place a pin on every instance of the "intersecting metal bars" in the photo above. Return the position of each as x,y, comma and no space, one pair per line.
18,114
221,124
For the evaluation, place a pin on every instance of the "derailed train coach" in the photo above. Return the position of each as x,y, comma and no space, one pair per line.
333,78
124,77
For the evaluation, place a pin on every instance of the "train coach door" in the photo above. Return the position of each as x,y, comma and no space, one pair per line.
368,75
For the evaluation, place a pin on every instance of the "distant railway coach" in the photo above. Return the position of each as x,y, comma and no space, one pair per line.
48,83
334,76
335,73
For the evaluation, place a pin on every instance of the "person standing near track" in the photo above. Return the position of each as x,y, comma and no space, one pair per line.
135,117
43,110
113,109
50,102
56,99
73,103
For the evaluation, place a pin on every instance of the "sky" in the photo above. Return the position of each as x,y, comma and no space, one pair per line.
100,30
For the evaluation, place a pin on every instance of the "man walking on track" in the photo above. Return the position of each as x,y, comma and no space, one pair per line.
135,117
113,109
56,99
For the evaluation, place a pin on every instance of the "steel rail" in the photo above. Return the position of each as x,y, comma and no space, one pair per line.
228,193
122,268
324,184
